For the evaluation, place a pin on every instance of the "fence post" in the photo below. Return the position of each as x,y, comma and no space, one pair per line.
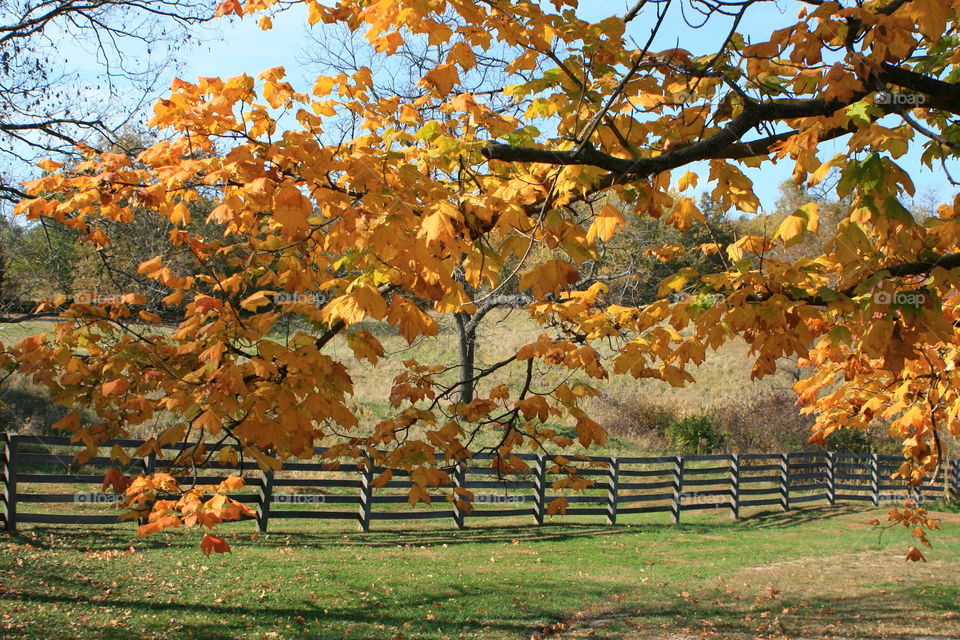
366,496
266,497
539,488
785,481
735,486
831,479
955,465
875,479
677,488
10,483
614,481
459,480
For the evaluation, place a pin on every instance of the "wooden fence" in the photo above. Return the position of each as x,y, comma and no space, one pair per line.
320,489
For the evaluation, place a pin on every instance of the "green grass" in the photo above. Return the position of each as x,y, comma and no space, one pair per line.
816,572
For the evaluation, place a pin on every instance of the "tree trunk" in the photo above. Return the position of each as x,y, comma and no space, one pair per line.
467,340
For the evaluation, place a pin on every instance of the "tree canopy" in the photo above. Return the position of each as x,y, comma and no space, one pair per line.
342,204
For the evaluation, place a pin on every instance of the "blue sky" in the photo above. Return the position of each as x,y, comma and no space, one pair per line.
240,46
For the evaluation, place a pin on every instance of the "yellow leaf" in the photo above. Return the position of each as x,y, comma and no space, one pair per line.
689,179
413,322
180,215
549,277
442,79
791,230
389,42
683,213
257,300
606,223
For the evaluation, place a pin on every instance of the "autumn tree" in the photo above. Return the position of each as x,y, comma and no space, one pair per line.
49,99
381,218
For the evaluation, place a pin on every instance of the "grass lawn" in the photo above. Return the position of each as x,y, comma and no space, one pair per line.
810,573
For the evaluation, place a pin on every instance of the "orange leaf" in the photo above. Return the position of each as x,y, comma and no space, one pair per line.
228,7
914,555
115,387
442,79
558,505
115,479
213,544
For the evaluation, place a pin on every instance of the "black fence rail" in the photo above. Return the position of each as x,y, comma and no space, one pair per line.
37,470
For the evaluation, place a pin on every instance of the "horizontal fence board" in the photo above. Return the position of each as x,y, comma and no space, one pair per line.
78,498
494,484
650,509
651,473
289,514
58,478
310,499
313,466
798,499
499,513
583,499
707,458
848,496
709,505
66,518
703,471
585,511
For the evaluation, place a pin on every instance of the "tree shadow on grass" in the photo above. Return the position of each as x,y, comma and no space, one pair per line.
122,537
103,538
235,617
777,519
876,615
